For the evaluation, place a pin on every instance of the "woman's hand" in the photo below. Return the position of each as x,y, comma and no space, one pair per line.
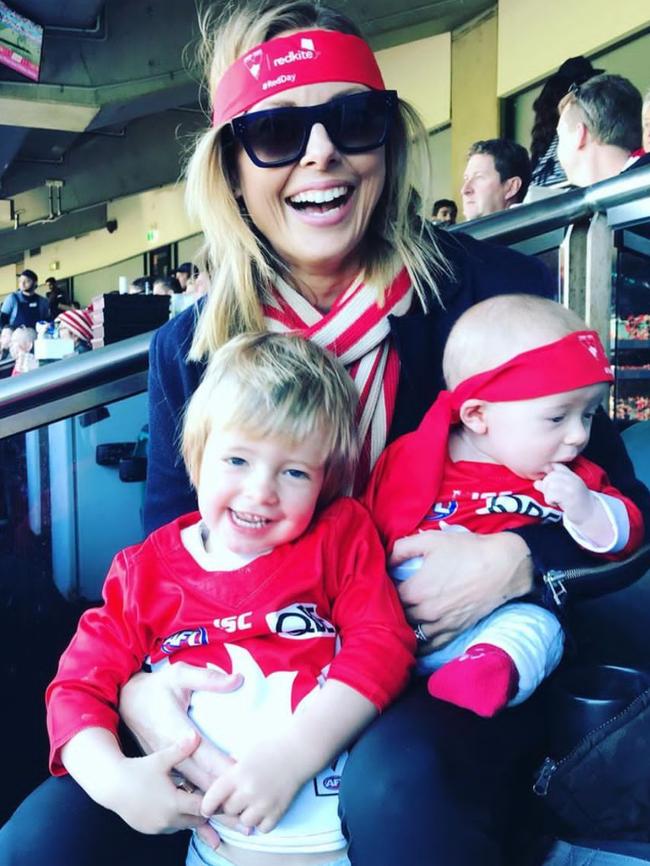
140,790
144,795
463,578
154,708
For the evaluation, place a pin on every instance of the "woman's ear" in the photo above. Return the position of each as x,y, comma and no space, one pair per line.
473,415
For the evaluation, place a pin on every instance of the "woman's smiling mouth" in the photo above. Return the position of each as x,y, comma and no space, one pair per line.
318,201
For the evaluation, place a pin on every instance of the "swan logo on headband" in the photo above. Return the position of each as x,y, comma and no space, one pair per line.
307,51
588,341
253,62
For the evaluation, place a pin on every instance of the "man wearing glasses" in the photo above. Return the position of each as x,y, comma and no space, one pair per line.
599,129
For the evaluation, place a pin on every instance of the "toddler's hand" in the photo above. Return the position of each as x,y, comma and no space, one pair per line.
143,794
259,788
563,489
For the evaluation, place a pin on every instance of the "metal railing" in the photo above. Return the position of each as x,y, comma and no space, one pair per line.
73,385
80,383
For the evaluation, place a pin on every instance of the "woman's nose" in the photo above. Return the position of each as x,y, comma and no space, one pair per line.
320,150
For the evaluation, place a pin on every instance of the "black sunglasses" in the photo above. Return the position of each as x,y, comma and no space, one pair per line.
355,123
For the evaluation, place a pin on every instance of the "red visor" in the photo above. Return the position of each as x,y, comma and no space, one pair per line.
308,57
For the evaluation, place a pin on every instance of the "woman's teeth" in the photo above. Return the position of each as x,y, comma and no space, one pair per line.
321,198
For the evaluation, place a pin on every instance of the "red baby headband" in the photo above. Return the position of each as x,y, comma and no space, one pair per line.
575,361
308,57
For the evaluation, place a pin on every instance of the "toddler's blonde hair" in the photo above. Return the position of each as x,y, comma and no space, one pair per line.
279,385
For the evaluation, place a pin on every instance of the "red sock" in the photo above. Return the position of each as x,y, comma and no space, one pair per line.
482,680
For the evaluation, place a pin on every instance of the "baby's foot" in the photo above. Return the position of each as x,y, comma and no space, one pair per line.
482,680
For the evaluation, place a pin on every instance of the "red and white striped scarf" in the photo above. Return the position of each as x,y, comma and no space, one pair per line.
356,330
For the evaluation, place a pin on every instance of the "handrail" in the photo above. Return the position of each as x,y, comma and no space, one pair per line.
525,221
45,395
81,382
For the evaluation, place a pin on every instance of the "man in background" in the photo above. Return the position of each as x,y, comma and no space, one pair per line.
445,212
599,129
24,307
184,272
496,176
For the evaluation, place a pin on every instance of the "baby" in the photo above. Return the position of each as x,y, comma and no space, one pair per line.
500,450
277,580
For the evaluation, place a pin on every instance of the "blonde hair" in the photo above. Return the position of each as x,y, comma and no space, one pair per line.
283,386
240,259
495,330
24,337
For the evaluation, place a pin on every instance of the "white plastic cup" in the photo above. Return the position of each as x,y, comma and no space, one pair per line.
123,285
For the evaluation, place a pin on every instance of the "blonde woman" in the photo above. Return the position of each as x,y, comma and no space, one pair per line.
313,188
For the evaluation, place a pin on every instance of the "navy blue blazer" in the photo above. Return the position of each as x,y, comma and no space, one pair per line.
478,270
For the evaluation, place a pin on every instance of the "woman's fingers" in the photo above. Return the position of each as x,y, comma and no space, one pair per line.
205,765
412,545
486,571
208,834
186,679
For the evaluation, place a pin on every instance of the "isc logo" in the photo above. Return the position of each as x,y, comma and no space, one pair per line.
234,623
299,621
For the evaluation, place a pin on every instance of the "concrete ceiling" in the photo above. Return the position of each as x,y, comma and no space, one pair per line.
115,102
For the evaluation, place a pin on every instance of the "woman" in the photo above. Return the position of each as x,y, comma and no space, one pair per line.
547,170
305,186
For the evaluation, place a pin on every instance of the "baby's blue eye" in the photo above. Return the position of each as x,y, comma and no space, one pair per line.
235,461
296,473
557,419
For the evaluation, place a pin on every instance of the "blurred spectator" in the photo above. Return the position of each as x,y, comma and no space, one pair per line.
56,298
445,212
78,326
184,272
21,348
546,169
599,129
496,177
5,342
140,286
196,286
24,306
167,286
199,284
645,122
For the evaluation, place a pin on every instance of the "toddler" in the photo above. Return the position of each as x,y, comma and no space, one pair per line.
276,580
21,349
499,450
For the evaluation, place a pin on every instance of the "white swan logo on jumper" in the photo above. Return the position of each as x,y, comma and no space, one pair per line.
299,621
